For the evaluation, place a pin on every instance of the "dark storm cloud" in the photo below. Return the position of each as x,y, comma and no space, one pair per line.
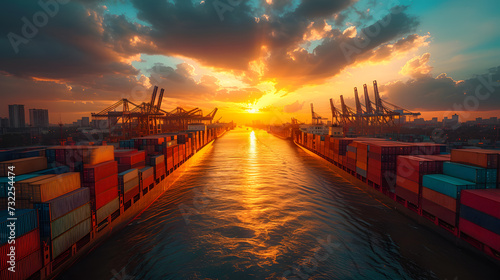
321,8
481,93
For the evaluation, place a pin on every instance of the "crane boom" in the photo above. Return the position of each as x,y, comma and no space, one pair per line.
153,98
359,110
378,101
160,98
368,104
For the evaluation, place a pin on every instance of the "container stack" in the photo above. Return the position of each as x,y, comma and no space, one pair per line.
128,159
76,156
23,190
488,159
175,155
129,186
350,159
102,181
441,196
158,164
65,220
480,217
483,177
409,173
28,253
146,179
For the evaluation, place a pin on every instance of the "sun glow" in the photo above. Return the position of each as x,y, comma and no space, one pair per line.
252,110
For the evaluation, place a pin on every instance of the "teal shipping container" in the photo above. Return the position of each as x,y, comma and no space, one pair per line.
470,173
447,185
26,221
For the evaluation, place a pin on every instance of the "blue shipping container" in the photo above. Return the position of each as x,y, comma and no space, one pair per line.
481,219
27,220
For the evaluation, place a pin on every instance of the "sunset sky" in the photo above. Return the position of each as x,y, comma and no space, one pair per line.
253,59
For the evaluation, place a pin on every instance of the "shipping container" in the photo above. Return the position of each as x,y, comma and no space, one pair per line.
25,267
447,185
23,166
52,229
70,237
53,187
481,219
24,189
128,175
62,205
131,193
108,209
477,157
5,183
486,201
146,172
102,185
474,174
105,197
25,245
481,234
440,199
440,212
26,221
93,173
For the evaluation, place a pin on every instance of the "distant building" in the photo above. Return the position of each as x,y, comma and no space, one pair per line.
85,121
16,116
39,117
4,122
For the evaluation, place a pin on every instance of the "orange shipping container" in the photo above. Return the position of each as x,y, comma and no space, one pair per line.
44,190
440,199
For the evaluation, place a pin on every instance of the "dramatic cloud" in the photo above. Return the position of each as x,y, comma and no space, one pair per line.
293,107
84,52
417,67
481,93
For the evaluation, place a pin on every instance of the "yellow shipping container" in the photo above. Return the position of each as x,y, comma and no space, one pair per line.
23,165
51,188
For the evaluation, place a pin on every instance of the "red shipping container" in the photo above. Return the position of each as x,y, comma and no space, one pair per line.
440,199
439,211
147,181
24,267
408,184
105,197
131,193
93,173
25,245
408,195
486,201
481,234
102,185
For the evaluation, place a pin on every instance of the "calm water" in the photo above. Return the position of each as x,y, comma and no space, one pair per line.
258,207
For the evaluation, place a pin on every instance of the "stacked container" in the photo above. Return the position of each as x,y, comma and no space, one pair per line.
480,216
129,185
409,174
102,181
128,159
61,219
146,179
158,164
27,248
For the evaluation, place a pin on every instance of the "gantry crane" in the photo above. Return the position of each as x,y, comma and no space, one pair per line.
147,118
374,117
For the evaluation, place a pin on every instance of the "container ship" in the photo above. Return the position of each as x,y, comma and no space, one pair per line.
60,202
457,194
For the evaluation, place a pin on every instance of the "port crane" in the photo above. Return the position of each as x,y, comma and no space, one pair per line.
316,119
371,117
126,119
